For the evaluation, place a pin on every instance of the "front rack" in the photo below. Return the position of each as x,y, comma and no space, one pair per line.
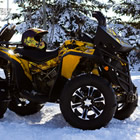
122,76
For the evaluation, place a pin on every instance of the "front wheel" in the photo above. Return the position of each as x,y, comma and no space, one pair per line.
88,102
125,109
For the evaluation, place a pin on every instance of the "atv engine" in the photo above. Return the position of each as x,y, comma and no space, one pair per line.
44,80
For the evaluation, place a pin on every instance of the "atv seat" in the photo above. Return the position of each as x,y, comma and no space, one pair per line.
36,55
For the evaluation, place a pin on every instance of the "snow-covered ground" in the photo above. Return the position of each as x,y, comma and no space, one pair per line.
49,124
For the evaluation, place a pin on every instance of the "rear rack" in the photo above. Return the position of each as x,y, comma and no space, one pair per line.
7,44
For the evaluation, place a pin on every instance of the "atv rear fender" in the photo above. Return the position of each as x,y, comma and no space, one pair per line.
22,80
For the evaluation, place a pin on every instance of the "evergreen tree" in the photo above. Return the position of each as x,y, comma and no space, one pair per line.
73,15
129,8
66,19
131,28
62,17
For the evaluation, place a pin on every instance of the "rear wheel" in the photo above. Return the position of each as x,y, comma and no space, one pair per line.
4,96
18,105
24,107
88,102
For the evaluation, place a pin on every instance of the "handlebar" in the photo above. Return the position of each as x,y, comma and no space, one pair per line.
100,18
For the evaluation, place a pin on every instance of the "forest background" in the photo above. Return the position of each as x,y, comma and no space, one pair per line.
67,19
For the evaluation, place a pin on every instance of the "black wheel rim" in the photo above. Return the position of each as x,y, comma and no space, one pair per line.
87,103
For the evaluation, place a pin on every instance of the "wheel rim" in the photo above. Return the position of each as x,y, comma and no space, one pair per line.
22,102
87,103
120,106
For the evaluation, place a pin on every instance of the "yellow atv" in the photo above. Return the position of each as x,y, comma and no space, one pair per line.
89,78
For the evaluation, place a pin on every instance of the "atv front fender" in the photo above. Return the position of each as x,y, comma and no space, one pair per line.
69,63
72,59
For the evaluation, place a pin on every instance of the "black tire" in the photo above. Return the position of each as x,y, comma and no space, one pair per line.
24,107
4,97
3,108
88,102
19,105
124,110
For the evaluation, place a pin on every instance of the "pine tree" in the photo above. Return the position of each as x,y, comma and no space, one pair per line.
66,19
73,15
63,17
131,28
129,8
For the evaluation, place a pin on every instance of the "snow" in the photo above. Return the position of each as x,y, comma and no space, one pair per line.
50,124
